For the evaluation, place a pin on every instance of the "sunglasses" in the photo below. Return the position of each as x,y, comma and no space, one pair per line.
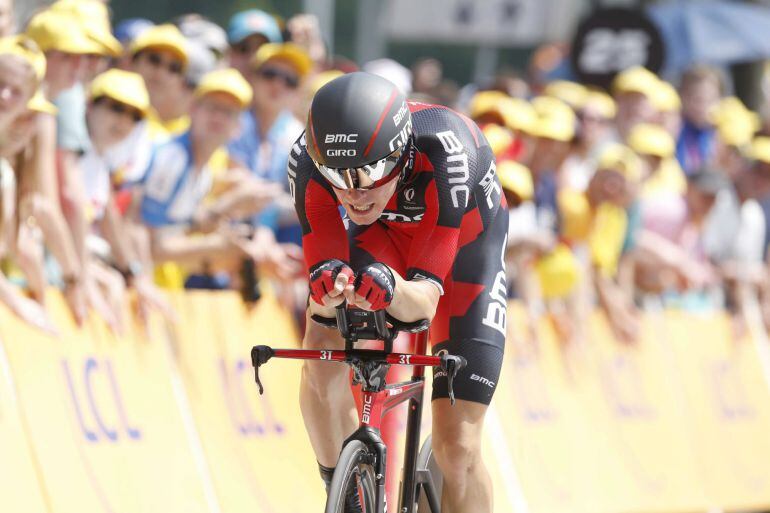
380,172
289,79
173,67
247,47
119,108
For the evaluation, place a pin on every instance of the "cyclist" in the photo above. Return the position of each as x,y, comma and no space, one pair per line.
423,236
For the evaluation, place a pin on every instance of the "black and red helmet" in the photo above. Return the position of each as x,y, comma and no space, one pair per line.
358,123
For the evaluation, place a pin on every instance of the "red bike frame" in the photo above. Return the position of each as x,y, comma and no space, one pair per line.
374,405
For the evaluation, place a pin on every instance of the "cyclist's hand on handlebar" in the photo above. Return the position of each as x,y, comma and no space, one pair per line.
328,282
373,287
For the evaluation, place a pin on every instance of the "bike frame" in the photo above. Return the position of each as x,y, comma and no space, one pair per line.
376,404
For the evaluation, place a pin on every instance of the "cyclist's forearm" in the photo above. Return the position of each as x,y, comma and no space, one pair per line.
414,300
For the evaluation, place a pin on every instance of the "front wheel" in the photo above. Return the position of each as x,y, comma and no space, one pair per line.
430,481
354,484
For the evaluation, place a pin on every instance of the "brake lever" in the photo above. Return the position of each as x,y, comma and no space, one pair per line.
259,356
452,365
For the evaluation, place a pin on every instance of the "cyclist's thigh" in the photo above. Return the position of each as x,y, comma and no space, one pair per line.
374,243
471,315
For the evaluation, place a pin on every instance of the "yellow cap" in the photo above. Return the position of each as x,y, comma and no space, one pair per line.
621,158
39,103
287,51
735,123
558,272
28,50
636,80
574,215
166,37
518,114
516,178
760,149
555,119
228,81
571,93
322,79
498,137
487,102
122,86
649,139
665,98
602,102
62,31
95,20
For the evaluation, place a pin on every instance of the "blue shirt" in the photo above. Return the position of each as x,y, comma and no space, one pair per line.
694,147
266,158
173,189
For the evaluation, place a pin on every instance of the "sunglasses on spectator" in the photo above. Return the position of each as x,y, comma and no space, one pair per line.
247,47
289,79
173,67
119,108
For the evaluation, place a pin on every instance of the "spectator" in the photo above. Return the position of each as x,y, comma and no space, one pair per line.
160,56
661,172
246,33
701,89
427,74
634,90
199,29
666,101
269,129
181,175
7,24
126,32
595,113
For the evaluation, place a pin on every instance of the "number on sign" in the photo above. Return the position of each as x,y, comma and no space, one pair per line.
608,51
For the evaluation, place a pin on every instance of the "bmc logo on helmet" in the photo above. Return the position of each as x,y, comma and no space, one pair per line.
341,153
340,138
403,111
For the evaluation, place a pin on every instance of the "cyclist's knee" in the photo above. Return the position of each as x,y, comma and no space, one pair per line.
456,438
456,457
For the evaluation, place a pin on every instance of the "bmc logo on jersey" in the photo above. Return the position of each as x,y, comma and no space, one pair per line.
340,138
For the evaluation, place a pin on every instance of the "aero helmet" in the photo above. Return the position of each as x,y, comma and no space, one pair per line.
359,123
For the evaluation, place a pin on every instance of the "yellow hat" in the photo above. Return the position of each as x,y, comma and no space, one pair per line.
571,93
558,272
228,81
322,79
760,149
62,31
636,80
735,123
665,98
39,103
498,137
95,20
621,158
486,102
518,114
166,37
516,178
288,51
649,139
602,102
122,86
27,49
555,119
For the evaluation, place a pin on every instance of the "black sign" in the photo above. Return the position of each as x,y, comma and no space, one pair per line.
611,40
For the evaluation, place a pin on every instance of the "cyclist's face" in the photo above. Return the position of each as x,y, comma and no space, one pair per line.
364,206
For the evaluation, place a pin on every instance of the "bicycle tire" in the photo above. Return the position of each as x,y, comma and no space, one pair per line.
426,461
354,463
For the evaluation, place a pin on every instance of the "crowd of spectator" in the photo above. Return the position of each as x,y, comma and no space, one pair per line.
149,157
